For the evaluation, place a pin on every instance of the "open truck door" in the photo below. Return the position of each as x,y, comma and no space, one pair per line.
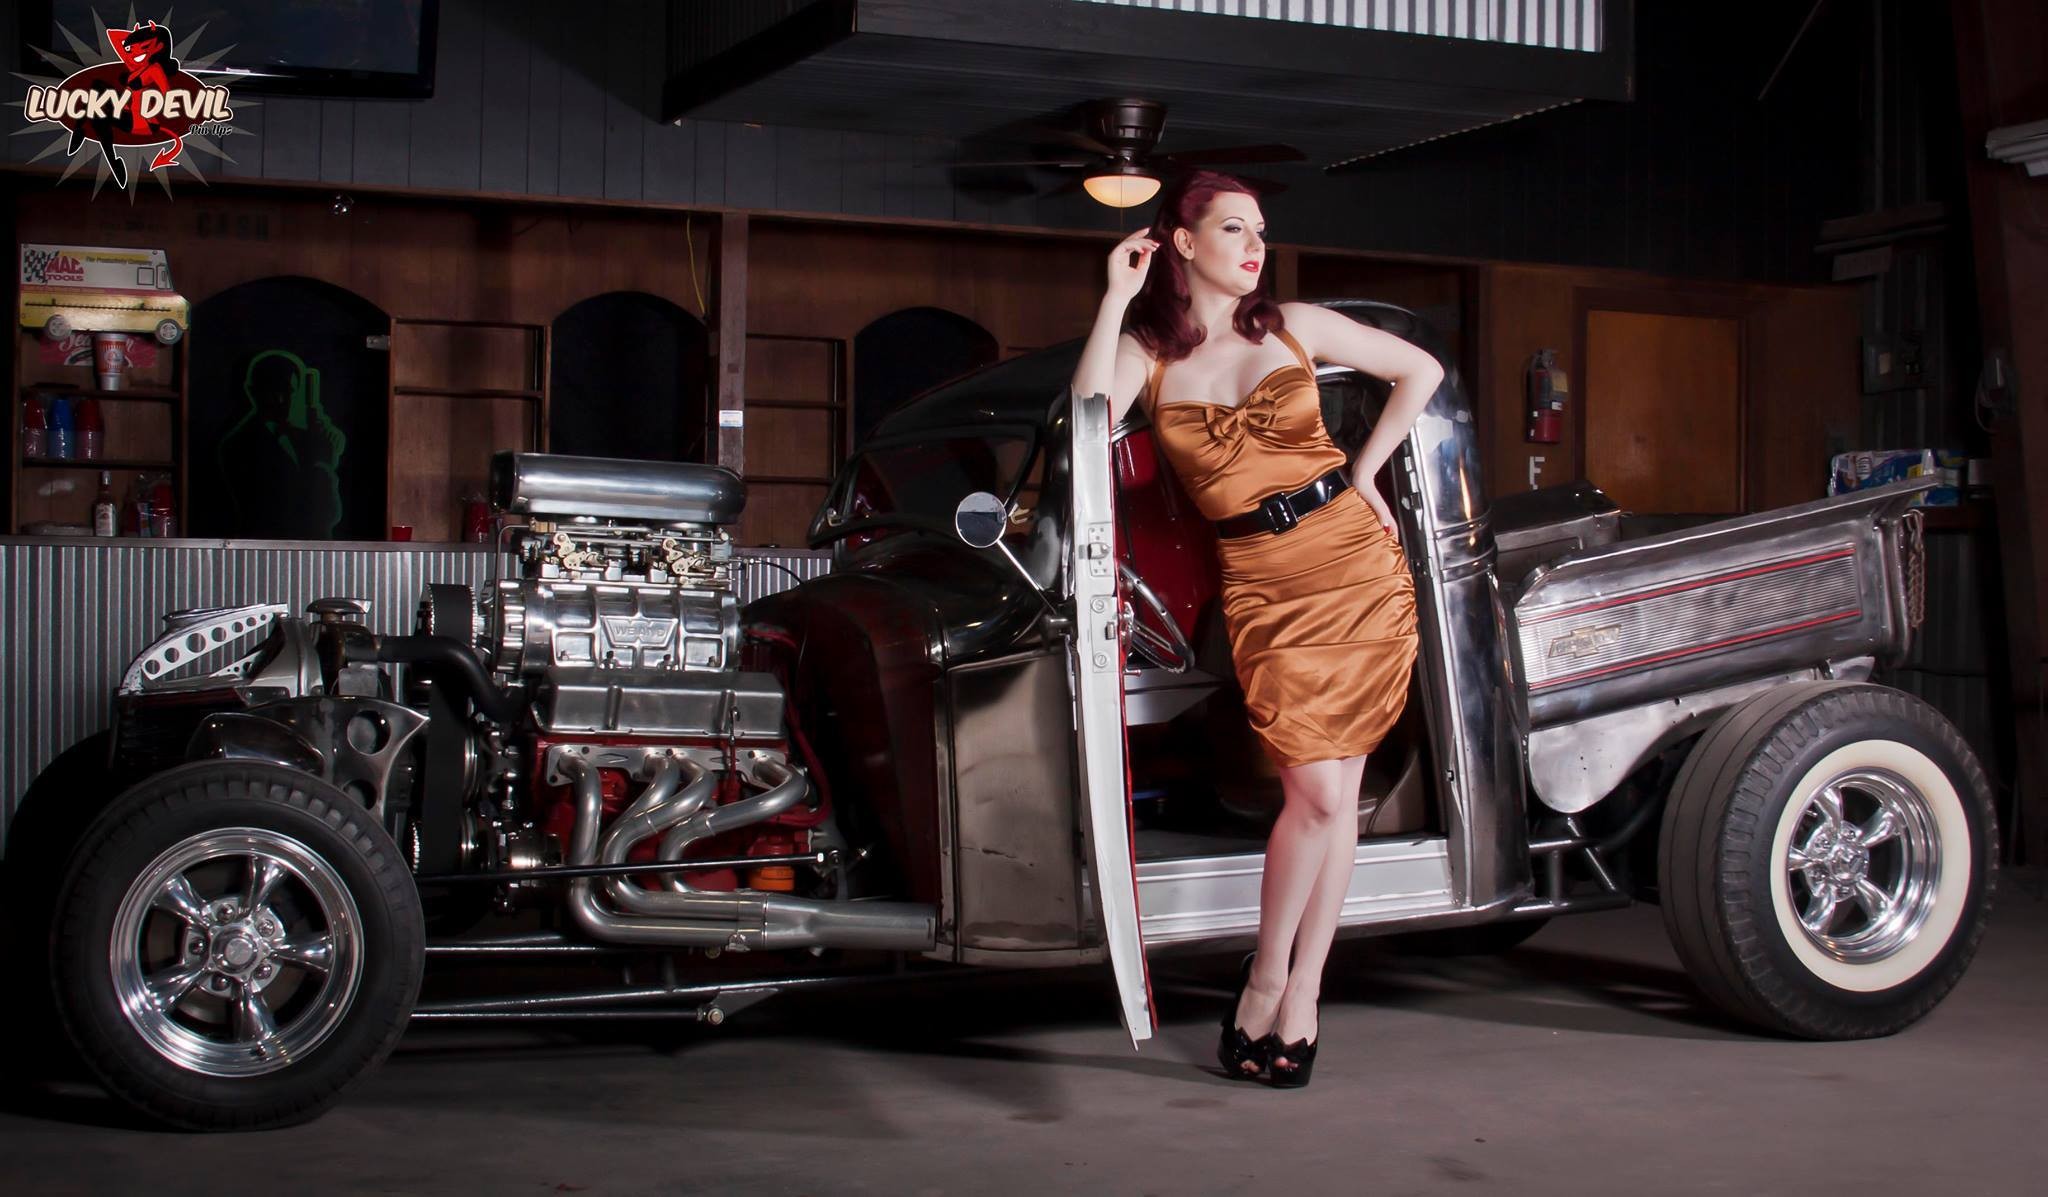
1096,669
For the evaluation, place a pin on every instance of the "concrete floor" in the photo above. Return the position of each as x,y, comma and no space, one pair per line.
1578,1063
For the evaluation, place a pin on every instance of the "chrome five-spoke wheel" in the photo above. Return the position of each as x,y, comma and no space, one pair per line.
1827,860
235,945
236,952
1863,864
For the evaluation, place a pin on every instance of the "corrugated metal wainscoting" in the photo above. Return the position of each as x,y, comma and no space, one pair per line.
74,612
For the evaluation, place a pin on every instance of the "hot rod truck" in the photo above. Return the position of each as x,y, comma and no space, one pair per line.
1001,732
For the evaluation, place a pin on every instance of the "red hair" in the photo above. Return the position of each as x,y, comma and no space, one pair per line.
1158,315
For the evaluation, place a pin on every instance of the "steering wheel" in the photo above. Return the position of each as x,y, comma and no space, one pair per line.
1168,648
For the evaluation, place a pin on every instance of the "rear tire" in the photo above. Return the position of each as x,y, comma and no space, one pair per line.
236,945
1827,860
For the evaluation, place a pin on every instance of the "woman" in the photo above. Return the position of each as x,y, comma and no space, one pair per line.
1319,607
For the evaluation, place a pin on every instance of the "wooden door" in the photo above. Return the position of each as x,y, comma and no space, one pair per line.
1663,417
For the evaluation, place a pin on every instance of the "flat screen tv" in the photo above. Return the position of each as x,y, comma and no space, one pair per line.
376,48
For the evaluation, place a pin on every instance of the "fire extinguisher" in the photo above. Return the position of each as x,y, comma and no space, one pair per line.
1548,388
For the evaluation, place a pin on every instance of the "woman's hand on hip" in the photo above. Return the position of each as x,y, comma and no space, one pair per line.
1128,264
1371,494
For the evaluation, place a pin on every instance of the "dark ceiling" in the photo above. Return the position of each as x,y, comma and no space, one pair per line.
975,70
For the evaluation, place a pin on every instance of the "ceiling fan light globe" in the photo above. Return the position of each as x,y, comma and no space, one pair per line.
1121,190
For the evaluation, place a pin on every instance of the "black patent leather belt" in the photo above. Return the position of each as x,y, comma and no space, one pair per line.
1278,513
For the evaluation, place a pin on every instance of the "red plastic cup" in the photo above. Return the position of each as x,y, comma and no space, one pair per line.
401,531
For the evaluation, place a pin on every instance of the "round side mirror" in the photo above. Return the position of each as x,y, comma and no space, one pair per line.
980,519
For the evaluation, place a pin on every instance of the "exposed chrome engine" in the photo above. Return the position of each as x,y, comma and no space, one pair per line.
648,590
589,713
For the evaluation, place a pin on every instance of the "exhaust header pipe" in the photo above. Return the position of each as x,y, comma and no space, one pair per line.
741,920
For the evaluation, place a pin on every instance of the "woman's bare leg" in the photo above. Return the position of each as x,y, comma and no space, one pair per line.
1319,811
1297,1009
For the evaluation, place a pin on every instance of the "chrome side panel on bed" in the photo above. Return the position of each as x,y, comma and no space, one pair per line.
1705,607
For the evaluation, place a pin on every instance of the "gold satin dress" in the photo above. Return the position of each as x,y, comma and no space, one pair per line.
1321,617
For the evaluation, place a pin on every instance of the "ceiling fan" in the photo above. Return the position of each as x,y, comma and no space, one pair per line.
1116,140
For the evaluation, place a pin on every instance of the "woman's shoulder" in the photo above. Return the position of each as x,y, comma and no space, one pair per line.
1130,348
1296,315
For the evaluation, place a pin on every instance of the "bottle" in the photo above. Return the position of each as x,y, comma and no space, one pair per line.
61,428
105,513
160,517
138,506
35,433
91,433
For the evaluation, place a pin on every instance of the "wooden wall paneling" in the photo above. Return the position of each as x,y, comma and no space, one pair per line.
392,434
796,403
139,429
729,335
829,280
445,453
1284,261
544,373
462,391
1806,390
440,357
1433,291
796,419
1528,308
778,514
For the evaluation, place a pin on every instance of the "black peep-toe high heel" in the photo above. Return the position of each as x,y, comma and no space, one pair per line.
1236,1048
1300,1057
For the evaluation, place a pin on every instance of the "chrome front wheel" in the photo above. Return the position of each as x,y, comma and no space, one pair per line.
236,952
235,945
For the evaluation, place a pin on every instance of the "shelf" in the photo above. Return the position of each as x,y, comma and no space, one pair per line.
465,393
97,463
153,394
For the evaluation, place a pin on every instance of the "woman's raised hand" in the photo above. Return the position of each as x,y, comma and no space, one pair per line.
1128,263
